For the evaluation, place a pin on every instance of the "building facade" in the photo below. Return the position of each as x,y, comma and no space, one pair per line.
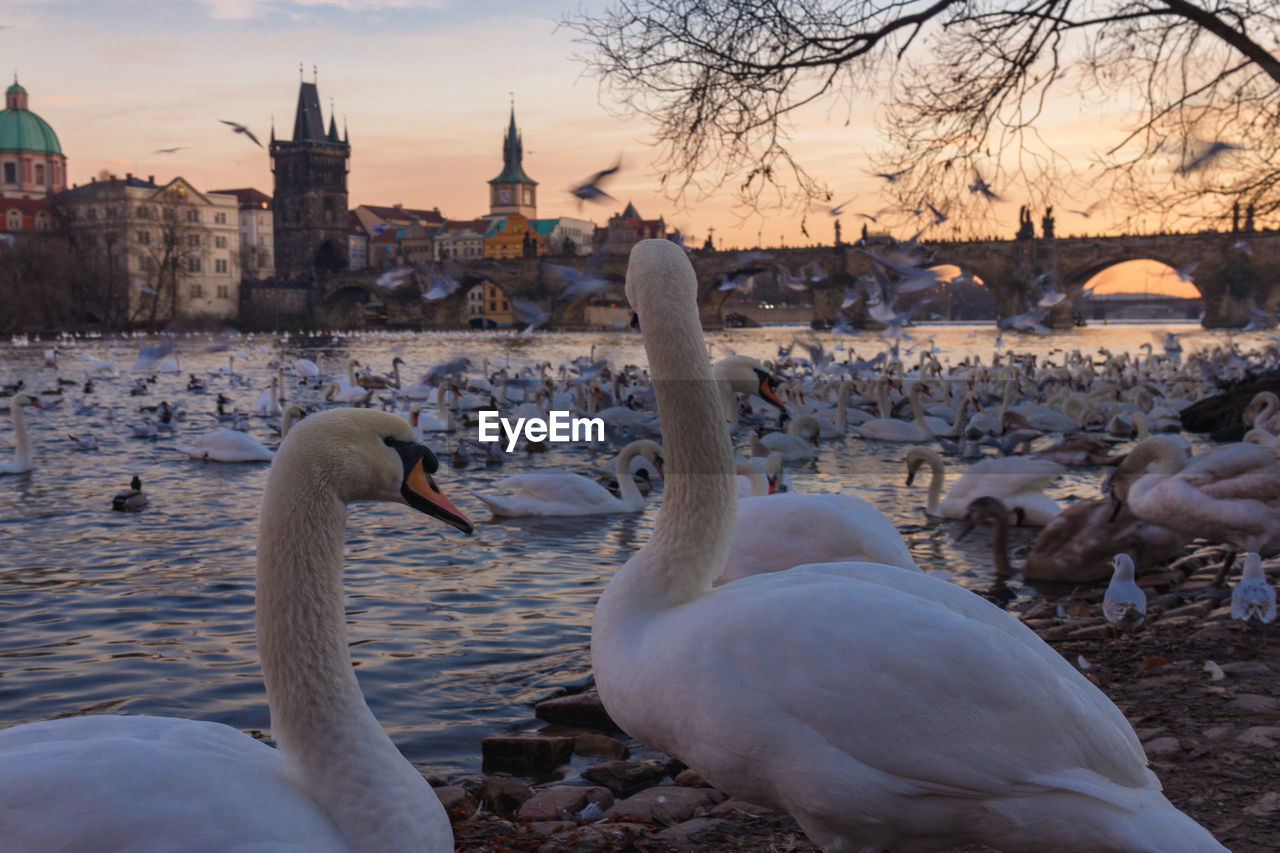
460,239
572,236
627,228
310,197
257,233
513,191
175,249
487,307
514,236
32,166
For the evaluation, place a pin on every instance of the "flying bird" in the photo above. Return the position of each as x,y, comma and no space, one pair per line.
982,187
590,189
240,128
1087,212
393,278
891,177
839,209
169,150
528,312
1205,155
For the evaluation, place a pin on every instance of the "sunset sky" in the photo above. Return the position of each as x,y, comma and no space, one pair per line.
424,87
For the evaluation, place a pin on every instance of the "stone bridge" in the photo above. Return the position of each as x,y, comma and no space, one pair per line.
1232,272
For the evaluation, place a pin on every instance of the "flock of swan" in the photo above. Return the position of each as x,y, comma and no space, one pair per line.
785,645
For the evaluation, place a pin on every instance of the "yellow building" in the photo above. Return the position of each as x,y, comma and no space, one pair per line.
487,307
514,236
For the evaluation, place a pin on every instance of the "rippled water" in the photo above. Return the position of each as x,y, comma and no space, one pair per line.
453,636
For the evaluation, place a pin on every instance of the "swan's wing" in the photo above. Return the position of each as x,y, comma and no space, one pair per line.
1003,477
931,684
151,784
1247,471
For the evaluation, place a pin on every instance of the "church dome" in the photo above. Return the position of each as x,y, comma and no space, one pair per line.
23,130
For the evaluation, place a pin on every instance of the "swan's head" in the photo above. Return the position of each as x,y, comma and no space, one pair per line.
658,271
988,508
22,398
369,455
651,451
917,457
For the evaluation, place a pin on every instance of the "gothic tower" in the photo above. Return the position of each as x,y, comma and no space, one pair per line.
513,191
310,201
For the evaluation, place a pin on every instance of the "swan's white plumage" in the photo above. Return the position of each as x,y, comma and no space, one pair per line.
228,445
776,532
883,709
562,493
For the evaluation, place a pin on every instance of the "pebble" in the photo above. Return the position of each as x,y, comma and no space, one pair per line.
625,778
582,709
525,753
563,803
502,795
1256,702
666,804
1263,736
1162,746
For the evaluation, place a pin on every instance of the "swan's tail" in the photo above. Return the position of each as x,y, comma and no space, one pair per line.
1167,830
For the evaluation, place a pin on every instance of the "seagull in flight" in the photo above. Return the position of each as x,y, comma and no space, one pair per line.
839,208
1206,155
981,186
1087,212
590,190
891,177
169,150
240,128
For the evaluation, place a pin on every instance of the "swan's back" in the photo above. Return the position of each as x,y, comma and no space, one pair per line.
981,712
206,787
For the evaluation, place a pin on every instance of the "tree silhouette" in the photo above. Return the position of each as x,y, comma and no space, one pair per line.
966,86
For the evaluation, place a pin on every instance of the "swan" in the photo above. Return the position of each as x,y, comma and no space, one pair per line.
754,481
305,368
892,429
798,445
739,374
228,445
1076,545
776,532
1015,480
131,499
782,690
337,782
268,404
21,463
560,493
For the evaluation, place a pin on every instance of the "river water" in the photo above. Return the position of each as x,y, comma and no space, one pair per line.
453,636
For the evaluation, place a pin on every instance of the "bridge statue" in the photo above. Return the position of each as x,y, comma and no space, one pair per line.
1046,224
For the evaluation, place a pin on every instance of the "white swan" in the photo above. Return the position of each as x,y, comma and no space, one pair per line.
783,690
228,445
1015,480
892,429
740,374
268,404
776,532
21,463
337,782
561,493
798,445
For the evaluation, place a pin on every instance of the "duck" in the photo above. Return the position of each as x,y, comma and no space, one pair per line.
131,499
336,782
548,493
22,458
780,689
1015,480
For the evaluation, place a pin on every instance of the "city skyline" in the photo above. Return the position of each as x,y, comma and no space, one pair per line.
425,107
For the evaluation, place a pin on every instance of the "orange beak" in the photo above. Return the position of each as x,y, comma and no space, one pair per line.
767,393
421,492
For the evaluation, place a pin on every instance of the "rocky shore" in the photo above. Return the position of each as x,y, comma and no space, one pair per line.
1203,697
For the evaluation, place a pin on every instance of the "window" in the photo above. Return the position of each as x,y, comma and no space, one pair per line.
15,220
220,218
144,212
193,265
197,292
193,216
220,242
223,291
91,214
220,265
144,237
42,222
193,240
10,173
144,262
39,174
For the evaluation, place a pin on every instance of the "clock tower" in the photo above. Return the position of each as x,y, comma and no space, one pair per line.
513,191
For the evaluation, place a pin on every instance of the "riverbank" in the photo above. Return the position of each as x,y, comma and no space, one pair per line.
1203,697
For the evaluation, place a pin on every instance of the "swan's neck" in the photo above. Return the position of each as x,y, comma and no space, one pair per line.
882,399
842,407
1000,547
759,482
334,747
628,491
691,536
936,478
918,411
22,442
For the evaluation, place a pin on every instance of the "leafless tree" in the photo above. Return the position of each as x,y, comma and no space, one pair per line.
966,86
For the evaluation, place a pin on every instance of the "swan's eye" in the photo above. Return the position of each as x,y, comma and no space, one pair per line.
389,441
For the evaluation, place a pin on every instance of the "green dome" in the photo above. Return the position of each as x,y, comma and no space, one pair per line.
15,89
23,130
